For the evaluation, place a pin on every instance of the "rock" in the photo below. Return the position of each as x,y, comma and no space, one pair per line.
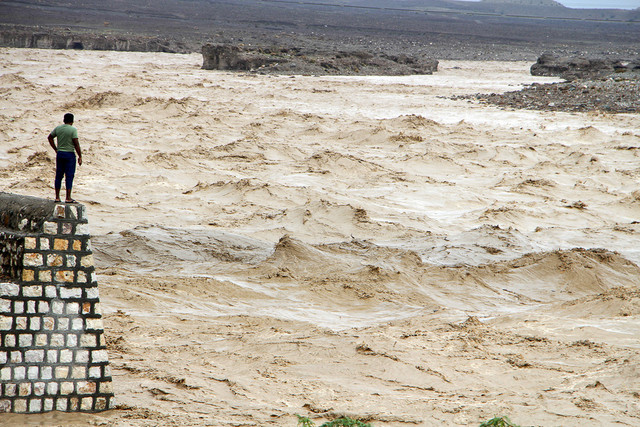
229,57
578,67
287,60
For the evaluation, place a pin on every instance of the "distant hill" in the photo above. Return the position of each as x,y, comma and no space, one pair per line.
543,3
446,29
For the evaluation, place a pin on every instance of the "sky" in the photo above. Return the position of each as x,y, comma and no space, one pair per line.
601,4
598,4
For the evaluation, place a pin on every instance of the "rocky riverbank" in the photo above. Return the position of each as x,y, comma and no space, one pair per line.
594,84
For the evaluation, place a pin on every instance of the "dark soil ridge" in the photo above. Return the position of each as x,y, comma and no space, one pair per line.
609,95
288,61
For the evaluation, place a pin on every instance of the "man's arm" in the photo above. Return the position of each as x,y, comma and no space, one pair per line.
76,144
53,144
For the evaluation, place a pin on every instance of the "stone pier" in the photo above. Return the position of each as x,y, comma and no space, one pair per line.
52,347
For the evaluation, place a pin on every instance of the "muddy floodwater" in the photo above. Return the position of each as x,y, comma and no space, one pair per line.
366,246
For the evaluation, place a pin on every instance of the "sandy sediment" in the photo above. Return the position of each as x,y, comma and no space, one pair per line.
270,246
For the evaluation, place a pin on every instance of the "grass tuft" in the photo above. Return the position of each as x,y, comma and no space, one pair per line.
499,422
340,422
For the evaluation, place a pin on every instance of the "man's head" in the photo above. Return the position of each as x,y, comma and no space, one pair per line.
68,118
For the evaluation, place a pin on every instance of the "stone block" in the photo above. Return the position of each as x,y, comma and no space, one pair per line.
57,307
88,340
81,277
77,324
71,260
92,292
18,307
38,388
5,406
77,245
66,356
5,306
6,323
50,227
9,289
21,323
34,324
48,323
46,373
66,388
82,229
78,372
10,390
86,404
31,306
72,212
72,341
48,404
10,340
43,307
15,357
94,372
30,243
28,275
101,404
45,276
51,291
24,389
63,323
41,340
62,372
52,356
62,404
72,307
19,373
57,340
5,373
25,340
68,292
59,211
86,307
54,260
67,228
60,244
87,261
106,387
73,404
94,324
20,406
35,405
64,276
34,356
32,291
52,388
4,356
33,372
99,356
82,356
44,244
32,260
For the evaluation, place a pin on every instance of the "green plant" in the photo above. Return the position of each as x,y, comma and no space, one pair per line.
340,422
499,422
304,421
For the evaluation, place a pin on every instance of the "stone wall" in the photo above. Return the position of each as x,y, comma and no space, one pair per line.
52,347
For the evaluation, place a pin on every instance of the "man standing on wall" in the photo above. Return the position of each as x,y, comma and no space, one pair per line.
65,158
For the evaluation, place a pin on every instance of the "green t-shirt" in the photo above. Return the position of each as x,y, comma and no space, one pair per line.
65,134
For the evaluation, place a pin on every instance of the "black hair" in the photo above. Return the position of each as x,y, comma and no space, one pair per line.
68,118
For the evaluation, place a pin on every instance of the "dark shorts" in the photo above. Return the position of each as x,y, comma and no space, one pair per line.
65,166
